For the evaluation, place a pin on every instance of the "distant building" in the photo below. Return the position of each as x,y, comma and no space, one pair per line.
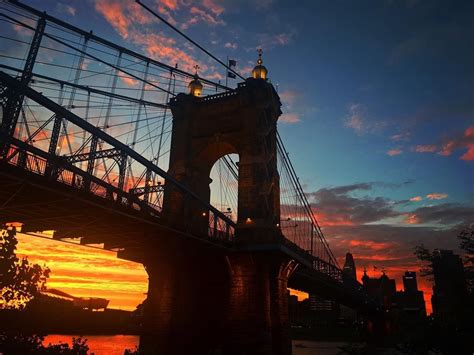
450,293
348,272
409,282
410,301
383,289
349,266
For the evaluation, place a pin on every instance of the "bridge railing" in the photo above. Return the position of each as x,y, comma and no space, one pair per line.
102,173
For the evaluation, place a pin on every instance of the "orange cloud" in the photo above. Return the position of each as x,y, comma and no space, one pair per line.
469,155
122,15
437,196
393,152
412,219
163,48
170,4
129,81
416,199
462,141
332,219
114,14
371,244
213,7
447,148
469,135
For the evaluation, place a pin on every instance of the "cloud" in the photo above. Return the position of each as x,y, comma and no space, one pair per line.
372,245
288,97
170,4
122,15
339,207
128,19
336,206
200,15
230,45
416,199
469,144
393,152
129,81
66,9
160,47
166,13
436,196
445,214
272,40
290,118
425,148
461,141
401,137
292,114
361,123
355,119
412,218
213,6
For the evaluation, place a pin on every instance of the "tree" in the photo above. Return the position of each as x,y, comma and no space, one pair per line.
466,238
20,281
426,256
33,344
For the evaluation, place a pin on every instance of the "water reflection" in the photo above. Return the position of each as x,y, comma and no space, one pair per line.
116,344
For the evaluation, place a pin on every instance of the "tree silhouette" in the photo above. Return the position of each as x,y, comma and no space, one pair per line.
426,256
467,245
466,239
20,281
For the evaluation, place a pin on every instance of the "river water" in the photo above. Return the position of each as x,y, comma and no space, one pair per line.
116,344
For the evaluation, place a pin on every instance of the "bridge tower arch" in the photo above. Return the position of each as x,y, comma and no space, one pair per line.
205,129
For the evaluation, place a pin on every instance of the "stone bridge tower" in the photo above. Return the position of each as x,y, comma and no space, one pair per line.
205,129
235,301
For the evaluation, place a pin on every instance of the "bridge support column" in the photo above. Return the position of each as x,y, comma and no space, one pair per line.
209,303
258,305
183,313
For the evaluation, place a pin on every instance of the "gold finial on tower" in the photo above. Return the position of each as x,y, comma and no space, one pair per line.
259,72
195,86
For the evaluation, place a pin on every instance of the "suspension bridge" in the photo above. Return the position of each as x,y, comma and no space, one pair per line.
109,147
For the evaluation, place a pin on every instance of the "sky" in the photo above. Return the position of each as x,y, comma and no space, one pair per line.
378,116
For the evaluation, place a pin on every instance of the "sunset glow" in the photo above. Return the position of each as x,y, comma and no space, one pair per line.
86,272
